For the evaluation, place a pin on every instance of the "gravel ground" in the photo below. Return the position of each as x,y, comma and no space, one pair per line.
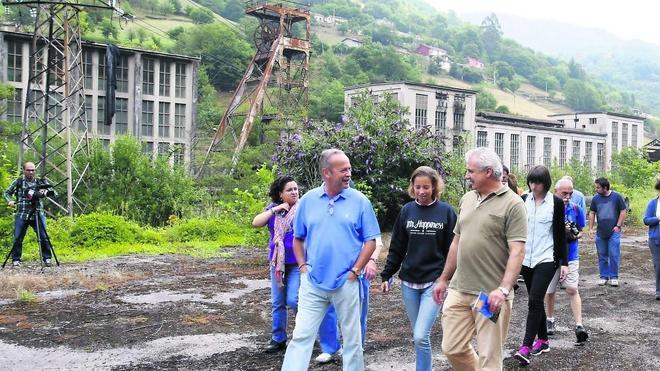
169,311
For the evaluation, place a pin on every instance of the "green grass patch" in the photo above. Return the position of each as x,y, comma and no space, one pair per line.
639,198
26,296
98,236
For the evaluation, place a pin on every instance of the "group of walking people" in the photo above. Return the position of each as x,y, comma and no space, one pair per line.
324,249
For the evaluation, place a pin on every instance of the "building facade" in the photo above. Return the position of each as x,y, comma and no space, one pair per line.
621,130
523,142
155,99
352,42
448,112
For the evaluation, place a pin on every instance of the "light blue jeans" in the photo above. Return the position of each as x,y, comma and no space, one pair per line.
282,298
608,255
422,311
329,330
312,305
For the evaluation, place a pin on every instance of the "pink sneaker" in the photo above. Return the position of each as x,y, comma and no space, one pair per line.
540,346
523,355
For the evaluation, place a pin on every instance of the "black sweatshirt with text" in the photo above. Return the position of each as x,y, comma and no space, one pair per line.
421,237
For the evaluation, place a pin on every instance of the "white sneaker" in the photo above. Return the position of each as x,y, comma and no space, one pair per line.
614,282
323,358
327,357
602,282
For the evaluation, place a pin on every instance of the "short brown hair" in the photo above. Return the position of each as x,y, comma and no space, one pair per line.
657,184
436,181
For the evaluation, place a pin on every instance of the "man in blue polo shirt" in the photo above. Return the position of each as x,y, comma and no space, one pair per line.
334,236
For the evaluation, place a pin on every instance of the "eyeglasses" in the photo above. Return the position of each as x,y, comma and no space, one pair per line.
331,207
29,169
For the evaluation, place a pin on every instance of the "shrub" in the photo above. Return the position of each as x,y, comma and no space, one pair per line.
197,229
94,229
6,232
632,168
127,182
59,231
380,144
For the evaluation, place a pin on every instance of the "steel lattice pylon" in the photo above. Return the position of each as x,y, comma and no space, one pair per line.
275,83
54,130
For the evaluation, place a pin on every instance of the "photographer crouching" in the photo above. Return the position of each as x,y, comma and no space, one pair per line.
26,194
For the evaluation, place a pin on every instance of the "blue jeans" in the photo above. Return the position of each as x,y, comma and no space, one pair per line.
655,254
422,311
608,255
20,227
312,305
329,330
283,297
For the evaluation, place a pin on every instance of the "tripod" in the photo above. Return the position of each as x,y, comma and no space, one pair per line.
38,229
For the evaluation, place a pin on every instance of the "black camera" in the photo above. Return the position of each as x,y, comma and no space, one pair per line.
572,231
40,190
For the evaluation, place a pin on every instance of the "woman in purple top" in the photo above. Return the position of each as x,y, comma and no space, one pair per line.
284,274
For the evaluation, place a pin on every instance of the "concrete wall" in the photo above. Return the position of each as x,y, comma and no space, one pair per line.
407,95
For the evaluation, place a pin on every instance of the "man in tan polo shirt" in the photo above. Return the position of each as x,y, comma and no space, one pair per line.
485,256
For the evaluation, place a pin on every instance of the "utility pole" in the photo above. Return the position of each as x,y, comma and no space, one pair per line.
54,132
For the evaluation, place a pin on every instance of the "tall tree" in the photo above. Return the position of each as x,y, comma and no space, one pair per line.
575,70
223,53
491,33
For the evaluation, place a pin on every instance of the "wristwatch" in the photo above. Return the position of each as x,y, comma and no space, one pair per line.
504,290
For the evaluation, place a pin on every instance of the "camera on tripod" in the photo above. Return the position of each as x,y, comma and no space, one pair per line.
40,190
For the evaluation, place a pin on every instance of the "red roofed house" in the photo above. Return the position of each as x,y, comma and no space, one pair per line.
430,51
475,63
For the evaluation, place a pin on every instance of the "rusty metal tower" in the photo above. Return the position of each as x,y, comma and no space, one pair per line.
275,83
54,130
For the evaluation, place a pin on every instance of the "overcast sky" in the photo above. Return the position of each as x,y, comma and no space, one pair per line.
630,19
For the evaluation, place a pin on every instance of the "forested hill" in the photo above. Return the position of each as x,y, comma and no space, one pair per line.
405,24
390,31
630,65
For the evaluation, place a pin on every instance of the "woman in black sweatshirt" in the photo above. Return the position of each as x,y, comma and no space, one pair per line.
421,237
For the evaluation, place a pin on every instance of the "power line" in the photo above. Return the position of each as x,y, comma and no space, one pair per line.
222,19
211,57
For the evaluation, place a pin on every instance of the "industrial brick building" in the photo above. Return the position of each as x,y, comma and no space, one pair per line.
156,94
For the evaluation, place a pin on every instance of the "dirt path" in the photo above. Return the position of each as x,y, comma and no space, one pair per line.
148,312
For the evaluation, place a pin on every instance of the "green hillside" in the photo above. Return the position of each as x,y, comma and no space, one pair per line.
514,78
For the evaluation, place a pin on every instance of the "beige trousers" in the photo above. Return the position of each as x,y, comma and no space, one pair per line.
459,325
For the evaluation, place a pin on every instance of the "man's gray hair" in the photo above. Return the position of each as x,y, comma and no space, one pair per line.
324,159
486,158
564,180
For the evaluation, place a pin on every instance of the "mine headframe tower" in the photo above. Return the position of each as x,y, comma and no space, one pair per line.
275,83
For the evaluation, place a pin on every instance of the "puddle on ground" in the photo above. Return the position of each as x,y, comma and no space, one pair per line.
168,296
16,357
57,294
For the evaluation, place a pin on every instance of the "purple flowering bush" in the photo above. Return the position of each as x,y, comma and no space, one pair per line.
383,148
